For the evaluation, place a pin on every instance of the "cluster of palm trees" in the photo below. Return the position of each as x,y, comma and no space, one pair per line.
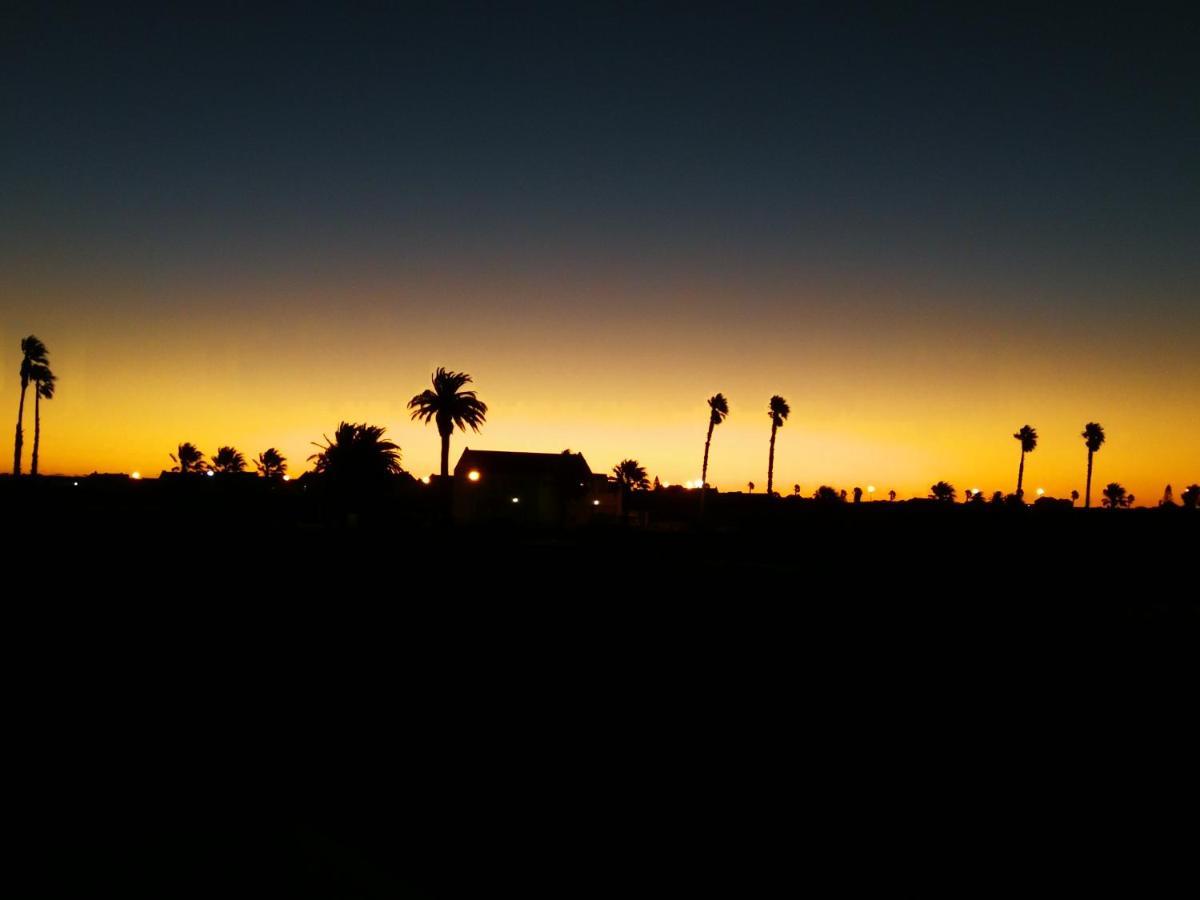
1093,438
35,370
189,460
359,452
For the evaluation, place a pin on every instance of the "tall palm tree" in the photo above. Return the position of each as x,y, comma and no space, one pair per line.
1093,436
43,380
271,464
718,409
447,405
1028,438
778,410
188,459
33,352
358,454
631,475
228,460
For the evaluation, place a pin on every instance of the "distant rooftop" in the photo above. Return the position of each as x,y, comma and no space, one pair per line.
518,463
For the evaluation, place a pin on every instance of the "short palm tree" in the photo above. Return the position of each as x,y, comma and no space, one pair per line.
228,460
1074,497
449,406
795,490
778,410
188,459
1028,438
1093,436
750,486
358,454
43,380
271,464
631,475
718,409
943,491
1115,496
33,352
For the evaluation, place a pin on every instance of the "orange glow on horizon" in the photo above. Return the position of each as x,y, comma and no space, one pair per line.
895,401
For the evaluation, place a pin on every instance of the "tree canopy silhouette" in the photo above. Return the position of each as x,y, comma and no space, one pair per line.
827,494
33,352
357,455
448,405
271,464
778,410
188,459
1191,496
1093,437
943,491
228,460
631,475
718,409
43,380
1028,438
1115,496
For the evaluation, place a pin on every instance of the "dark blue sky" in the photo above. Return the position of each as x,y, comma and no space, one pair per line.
861,140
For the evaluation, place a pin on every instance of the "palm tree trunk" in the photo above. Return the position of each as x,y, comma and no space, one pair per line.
20,440
1021,473
445,455
704,468
771,461
1087,497
37,427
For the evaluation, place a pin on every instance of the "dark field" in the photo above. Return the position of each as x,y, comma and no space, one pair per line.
243,695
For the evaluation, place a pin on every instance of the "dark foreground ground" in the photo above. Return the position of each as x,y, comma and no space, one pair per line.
217,699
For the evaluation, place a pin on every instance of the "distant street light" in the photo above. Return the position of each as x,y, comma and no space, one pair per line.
1041,491
473,475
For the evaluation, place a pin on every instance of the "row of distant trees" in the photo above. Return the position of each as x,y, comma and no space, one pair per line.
449,404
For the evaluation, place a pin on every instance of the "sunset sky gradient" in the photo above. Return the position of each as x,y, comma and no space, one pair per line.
923,232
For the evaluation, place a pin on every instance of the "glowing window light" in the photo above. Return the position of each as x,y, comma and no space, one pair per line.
473,475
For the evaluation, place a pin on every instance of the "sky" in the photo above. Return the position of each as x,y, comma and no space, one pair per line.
924,230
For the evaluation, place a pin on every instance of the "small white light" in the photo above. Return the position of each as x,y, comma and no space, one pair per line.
209,473
136,476
976,491
287,477
595,503
1040,491
870,488
76,484
666,484
516,499
425,480
473,475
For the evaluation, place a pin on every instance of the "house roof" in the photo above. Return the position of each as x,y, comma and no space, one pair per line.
504,462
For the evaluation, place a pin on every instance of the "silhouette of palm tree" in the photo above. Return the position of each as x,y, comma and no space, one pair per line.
1028,438
943,491
778,410
187,459
750,486
1074,497
891,496
630,475
718,409
448,406
795,490
228,460
1191,496
271,464
1093,436
858,495
826,494
33,352
358,454
1115,496
43,380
